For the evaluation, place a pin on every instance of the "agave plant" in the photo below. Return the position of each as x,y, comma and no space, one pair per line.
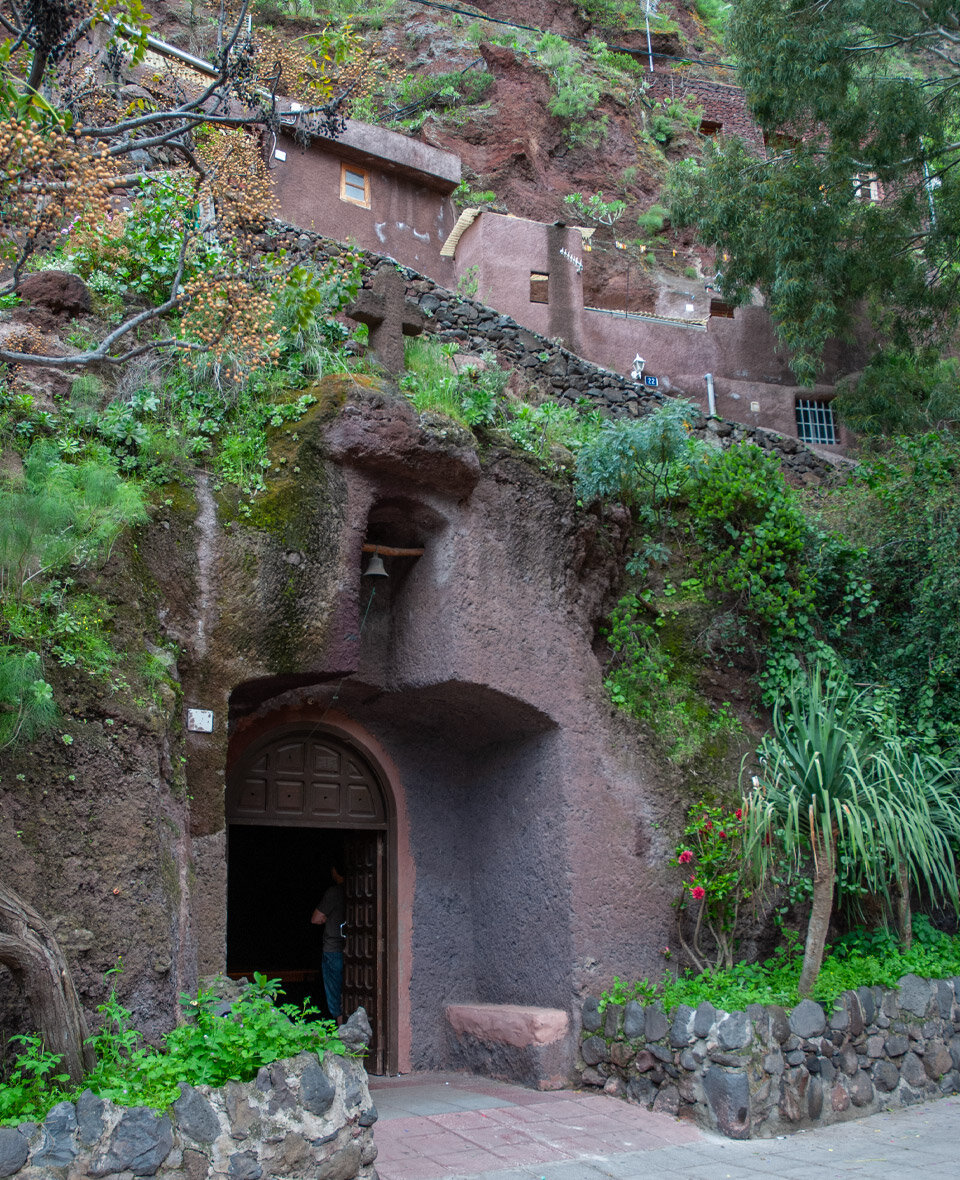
833,782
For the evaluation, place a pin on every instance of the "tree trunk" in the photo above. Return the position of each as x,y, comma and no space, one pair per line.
904,917
820,913
29,949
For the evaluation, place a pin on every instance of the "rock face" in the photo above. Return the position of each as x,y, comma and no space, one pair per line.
469,683
56,291
762,1072
275,1125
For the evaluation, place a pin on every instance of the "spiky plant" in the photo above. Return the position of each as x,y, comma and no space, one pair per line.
832,784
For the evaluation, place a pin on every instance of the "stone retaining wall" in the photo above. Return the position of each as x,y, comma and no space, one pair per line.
299,1118
765,1071
558,373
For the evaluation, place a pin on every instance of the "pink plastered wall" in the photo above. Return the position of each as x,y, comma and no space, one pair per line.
500,254
407,219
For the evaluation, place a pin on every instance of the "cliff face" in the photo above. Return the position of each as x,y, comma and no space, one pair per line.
532,121
525,845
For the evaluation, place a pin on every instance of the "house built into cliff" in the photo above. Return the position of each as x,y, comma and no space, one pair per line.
392,195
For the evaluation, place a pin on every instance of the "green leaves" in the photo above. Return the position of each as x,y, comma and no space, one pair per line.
852,111
859,959
838,777
641,461
206,1049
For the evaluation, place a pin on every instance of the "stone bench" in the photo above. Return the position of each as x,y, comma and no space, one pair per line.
516,1042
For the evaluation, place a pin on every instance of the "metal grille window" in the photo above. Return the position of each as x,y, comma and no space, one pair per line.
815,422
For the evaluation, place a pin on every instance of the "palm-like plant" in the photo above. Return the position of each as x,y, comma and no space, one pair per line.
831,782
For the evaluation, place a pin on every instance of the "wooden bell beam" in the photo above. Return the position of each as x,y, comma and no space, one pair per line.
392,551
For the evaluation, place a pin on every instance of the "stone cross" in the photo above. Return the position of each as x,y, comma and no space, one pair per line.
389,315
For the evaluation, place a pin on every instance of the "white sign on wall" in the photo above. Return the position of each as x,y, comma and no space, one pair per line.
200,720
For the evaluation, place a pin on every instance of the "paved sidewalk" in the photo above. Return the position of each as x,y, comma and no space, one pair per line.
439,1125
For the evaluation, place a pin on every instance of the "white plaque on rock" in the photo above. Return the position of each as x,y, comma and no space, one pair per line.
200,720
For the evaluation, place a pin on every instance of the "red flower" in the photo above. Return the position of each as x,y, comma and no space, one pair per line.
723,835
708,826
739,813
685,857
693,876
698,892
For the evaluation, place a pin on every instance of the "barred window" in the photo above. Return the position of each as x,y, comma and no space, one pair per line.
815,421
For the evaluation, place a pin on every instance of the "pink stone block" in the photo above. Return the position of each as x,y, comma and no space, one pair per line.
508,1024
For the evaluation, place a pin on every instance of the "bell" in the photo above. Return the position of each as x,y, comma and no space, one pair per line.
375,567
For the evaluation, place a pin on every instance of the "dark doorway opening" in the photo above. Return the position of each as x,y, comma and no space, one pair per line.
275,878
298,802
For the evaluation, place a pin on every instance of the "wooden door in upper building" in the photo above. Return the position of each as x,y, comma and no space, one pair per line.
364,957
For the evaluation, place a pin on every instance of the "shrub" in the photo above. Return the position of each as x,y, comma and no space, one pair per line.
654,680
643,461
901,512
206,1049
860,959
754,539
710,854
652,220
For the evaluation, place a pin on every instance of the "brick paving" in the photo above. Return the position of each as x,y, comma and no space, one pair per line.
443,1125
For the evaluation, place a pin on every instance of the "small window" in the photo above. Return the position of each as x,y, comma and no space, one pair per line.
710,127
815,422
866,187
539,287
355,186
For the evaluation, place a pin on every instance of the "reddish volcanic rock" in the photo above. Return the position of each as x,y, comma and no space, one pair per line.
56,291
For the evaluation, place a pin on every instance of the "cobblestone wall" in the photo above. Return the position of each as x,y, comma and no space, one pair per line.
298,1119
558,373
764,1071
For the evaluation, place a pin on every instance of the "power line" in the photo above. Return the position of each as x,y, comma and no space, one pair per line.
494,20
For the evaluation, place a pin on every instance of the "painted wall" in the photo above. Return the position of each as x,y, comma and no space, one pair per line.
409,218
749,365
500,253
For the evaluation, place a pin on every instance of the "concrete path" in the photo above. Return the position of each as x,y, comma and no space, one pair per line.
438,1125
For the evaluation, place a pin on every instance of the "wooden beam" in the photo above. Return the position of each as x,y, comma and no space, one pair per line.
391,551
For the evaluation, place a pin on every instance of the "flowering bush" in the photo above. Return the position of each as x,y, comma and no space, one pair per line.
711,848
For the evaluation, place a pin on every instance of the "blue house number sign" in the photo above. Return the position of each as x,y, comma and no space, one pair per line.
653,382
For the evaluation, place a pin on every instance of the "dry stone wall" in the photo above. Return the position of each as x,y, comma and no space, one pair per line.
299,1118
764,1071
558,373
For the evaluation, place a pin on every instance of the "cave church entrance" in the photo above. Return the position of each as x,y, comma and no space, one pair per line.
297,801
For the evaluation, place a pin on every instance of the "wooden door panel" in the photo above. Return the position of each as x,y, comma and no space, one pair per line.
363,966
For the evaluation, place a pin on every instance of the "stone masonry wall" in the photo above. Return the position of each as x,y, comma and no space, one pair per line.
298,1119
764,1071
721,102
558,373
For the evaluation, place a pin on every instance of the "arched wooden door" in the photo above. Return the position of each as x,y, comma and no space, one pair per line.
300,777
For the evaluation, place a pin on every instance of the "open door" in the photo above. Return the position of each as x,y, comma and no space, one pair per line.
364,958
309,788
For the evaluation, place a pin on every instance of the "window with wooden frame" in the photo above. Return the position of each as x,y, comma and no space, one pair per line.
354,185
539,287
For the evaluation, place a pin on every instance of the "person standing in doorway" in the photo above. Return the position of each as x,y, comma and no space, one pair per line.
330,914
